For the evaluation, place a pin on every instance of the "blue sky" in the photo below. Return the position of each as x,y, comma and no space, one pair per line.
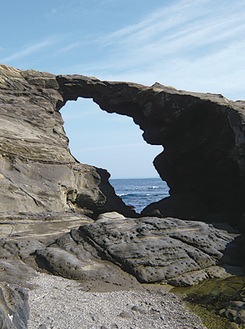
196,45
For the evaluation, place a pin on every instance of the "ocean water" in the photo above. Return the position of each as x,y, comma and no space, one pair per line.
140,192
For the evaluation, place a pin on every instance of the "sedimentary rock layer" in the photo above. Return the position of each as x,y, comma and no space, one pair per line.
37,171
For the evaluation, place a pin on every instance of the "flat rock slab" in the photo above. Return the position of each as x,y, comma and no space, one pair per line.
162,250
39,225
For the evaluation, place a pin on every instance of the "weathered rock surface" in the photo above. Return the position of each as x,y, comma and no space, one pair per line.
37,171
165,250
153,250
100,253
45,194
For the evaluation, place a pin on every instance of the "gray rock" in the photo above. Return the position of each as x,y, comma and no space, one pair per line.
73,256
162,250
37,171
203,139
202,135
14,310
14,271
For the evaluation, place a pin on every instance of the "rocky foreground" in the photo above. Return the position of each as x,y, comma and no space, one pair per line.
63,218
111,259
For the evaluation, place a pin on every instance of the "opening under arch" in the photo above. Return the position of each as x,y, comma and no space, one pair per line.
114,142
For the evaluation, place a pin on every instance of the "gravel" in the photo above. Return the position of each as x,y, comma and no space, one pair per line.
60,303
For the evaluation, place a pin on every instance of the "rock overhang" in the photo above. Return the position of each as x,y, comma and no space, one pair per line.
202,136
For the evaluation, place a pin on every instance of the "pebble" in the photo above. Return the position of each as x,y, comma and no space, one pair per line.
64,305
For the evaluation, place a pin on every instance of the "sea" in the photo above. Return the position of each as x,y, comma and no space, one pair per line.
140,192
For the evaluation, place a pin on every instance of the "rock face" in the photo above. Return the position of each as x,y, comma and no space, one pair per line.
152,249
37,171
164,250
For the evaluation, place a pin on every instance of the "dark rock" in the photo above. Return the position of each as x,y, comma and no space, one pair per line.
235,311
202,135
73,256
45,194
14,271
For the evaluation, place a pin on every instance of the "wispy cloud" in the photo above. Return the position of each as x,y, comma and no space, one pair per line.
189,40
70,46
30,49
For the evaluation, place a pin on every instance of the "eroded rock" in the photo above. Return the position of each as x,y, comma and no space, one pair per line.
37,171
202,135
164,250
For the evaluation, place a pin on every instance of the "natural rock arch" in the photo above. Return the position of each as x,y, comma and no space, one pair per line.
202,136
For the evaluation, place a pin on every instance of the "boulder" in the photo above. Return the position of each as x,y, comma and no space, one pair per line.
166,250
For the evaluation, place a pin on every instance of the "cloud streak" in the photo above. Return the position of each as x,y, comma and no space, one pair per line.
174,42
30,50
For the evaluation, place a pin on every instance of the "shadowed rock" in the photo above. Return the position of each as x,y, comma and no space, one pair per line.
202,135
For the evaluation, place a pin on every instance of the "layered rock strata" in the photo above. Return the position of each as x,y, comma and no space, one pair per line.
37,171
14,309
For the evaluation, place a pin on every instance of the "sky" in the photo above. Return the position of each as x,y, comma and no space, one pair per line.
195,45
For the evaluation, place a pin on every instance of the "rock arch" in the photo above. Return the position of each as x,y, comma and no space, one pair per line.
202,136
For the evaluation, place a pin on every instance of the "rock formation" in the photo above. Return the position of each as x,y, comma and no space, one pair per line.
37,171
202,135
64,217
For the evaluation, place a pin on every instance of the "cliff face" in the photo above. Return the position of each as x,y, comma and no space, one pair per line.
202,135
37,171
